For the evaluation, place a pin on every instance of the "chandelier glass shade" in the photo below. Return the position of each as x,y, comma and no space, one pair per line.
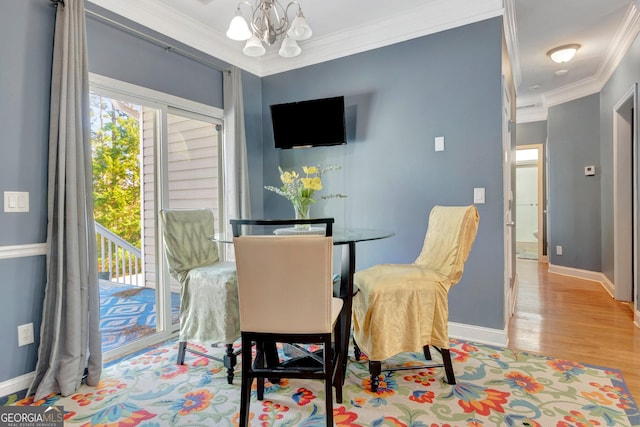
269,23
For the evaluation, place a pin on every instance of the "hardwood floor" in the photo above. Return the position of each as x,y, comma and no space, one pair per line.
574,319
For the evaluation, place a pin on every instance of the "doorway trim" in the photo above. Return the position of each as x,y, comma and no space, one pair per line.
508,171
625,223
541,231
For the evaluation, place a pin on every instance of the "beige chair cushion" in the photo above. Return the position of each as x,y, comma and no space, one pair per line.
285,284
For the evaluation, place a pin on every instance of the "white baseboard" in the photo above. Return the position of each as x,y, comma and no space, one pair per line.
584,274
478,334
14,385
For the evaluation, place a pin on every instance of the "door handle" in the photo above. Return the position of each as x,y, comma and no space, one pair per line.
511,224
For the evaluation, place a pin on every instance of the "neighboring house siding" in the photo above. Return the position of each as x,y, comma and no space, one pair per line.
193,174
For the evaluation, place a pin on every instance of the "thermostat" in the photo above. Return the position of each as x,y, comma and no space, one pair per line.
589,170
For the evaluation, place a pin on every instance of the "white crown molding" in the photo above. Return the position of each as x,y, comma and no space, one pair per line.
622,41
434,16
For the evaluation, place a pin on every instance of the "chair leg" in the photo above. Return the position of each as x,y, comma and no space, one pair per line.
328,383
230,361
247,380
448,367
356,351
270,352
375,369
339,382
427,352
260,388
261,361
182,349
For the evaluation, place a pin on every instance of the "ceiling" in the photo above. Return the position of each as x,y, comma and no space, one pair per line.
604,29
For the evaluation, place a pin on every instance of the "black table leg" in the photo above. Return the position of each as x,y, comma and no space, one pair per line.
346,293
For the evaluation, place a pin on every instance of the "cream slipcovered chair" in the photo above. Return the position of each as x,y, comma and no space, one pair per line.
286,296
209,288
404,307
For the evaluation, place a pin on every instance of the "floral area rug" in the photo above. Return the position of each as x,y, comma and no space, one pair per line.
495,387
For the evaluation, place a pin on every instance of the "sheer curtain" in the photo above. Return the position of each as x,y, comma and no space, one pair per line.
237,203
70,339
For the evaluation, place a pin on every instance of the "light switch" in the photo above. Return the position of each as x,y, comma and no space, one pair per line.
478,196
439,143
16,201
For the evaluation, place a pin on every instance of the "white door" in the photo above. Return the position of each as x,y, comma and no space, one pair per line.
509,224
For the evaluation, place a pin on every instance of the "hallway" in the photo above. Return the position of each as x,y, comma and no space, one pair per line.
574,319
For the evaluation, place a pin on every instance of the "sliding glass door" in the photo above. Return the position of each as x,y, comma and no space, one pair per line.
147,155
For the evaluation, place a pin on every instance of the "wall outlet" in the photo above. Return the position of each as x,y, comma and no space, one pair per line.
558,250
25,334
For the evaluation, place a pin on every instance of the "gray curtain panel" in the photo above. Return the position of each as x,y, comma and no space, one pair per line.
70,338
235,149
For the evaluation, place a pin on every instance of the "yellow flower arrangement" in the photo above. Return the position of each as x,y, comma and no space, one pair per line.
299,190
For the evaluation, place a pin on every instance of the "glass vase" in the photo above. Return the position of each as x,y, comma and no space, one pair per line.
302,212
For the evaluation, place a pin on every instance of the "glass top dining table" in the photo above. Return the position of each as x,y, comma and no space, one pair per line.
341,236
346,238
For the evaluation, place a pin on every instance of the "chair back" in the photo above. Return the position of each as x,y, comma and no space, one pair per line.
284,281
450,236
187,235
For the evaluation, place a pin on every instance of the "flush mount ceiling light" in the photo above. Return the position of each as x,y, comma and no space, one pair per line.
564,53
269,22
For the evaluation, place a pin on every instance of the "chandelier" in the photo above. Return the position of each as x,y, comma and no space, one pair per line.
269,22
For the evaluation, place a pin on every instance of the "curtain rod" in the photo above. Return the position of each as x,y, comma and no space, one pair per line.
166,46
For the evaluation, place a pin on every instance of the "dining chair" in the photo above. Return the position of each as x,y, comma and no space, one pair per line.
286,297
208,287
401,308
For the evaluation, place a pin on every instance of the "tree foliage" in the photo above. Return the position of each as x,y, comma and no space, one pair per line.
115,140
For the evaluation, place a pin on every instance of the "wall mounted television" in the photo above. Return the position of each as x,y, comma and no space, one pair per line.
312,123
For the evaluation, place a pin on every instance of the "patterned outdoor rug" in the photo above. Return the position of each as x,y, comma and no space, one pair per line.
495,387
128,313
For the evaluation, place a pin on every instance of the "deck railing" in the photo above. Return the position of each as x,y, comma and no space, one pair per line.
118,260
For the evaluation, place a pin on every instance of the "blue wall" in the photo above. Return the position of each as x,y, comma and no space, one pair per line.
574,199
25,76
398,98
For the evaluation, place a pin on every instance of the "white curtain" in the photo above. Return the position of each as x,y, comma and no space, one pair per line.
70,340
237,202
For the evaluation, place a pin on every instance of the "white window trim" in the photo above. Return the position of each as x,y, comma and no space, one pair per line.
118,88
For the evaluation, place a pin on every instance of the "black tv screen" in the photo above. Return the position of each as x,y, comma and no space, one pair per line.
310,123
